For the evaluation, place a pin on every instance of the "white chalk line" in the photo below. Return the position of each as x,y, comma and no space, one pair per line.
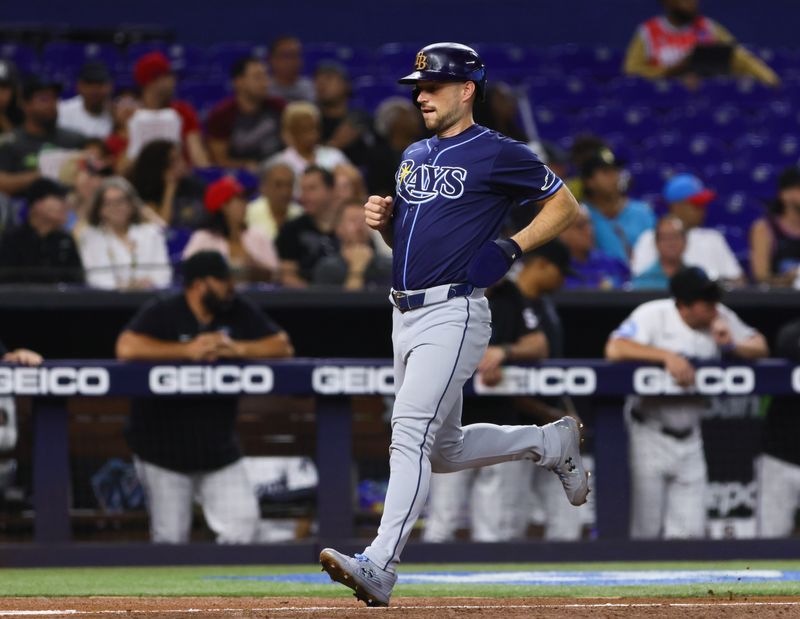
284,609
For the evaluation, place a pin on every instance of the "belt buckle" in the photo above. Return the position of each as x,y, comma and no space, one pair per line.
398,296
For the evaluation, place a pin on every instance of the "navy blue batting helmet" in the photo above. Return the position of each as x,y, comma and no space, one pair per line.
448,62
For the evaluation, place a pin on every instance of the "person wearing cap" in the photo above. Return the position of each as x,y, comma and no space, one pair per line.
154,76
185,449
342,126
40,250
119,249
688,199
10,112
775,238
245,129
667,464
618,220
670,249
591,268
249,251
286,66
89,112
304,241
19,150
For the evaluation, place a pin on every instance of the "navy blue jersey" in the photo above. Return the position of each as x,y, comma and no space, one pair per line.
453,195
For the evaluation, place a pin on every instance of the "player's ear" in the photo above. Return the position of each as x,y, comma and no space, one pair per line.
469,90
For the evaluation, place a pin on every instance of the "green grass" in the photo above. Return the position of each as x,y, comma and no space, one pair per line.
191,581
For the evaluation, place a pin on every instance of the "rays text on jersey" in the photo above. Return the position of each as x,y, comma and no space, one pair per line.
418,184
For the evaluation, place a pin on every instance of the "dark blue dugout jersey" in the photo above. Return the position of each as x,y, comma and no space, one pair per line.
453,195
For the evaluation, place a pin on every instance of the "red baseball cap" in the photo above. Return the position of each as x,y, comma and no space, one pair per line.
150,67
220,192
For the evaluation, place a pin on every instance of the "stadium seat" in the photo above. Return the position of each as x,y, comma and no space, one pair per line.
734,210
23,56
358,60
186,60
221,57
368,93
203,94
396,59
69,57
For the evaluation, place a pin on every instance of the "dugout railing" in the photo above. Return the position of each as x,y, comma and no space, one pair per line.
333,382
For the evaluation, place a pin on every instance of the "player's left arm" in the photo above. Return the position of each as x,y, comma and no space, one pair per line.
736,338
556,214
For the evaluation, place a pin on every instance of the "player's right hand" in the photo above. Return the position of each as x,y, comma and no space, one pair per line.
680,369
378,212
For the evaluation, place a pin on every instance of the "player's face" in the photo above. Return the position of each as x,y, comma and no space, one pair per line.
441,103
699,314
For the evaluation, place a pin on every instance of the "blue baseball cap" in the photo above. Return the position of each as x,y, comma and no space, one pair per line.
689,188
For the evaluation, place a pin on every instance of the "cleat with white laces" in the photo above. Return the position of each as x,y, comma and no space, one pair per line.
570,469
371,584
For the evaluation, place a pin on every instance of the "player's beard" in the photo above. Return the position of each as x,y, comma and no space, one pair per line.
443,122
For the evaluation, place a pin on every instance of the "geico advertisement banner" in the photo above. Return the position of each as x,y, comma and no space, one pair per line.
547,381
57,381
352,380
211,379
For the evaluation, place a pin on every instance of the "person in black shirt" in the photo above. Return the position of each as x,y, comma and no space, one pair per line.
543,272
187,447
19,149
492,492
302,242
778,468
343,127
40,251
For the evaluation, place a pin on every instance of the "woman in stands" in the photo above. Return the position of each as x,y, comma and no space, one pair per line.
775,239
249,251
118,248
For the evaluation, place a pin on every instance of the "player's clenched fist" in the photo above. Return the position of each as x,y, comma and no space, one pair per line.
378,212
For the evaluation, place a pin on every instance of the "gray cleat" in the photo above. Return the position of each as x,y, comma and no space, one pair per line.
371,584
570,468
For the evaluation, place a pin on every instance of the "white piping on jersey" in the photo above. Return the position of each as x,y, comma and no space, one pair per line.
419,206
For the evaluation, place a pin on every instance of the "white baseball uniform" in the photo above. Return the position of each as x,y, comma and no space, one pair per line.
667,463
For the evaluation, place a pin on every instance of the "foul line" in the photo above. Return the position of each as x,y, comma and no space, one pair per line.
284,609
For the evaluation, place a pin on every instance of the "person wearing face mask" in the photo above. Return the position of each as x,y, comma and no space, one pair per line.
775,239
19,150
663,45
186,448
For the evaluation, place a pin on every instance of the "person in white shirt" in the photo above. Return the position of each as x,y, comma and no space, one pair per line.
706,248
667,463
301,132
118,248
89,112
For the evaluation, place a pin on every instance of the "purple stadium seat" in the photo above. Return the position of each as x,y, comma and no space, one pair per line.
508,62
602,63
186,60
69,57
221,57
203,94
23,56
368,93
552,124
396,59
734,210
358,60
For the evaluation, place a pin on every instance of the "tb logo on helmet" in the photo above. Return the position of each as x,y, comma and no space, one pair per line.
421,63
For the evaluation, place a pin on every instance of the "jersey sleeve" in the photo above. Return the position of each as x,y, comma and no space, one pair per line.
253,323
152,321
639,327
519,173
739,330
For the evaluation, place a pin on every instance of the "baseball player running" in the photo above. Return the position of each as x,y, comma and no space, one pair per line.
454,191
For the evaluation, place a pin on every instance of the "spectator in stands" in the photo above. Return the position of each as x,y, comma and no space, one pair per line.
357,265
89,112
590,268
688,200
668,493
173,197
39,250
245,129
248,250
19,150
300,127
398,125
302,242
160,115
343,127
119,249
10,113
618,220
586,146
275,206
286,64
185,449
123,107
778,467
348,185
775,239
662,46
499,111
670,247
89,174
